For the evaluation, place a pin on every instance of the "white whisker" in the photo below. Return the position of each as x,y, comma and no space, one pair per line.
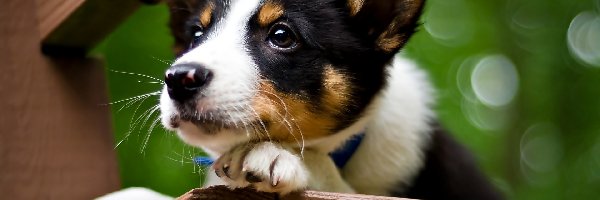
261,123
135,97
147,139
162,61
287,113
136,74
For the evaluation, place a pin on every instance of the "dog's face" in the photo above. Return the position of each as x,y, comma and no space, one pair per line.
285,70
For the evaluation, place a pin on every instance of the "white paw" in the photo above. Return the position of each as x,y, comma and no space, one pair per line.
266,166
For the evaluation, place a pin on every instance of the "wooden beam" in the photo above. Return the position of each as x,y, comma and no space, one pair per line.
224,193
55,138
51,13
73,27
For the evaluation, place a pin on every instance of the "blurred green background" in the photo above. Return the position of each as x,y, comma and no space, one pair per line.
518,83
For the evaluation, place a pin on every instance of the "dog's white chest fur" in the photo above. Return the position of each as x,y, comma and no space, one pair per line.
396,133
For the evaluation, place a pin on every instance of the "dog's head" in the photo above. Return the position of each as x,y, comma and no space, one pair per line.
282,70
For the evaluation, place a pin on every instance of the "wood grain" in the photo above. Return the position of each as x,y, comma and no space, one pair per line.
224,193
51,13
55,138
72,28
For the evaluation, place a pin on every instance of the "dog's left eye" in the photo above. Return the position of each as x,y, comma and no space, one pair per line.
197,32
282,36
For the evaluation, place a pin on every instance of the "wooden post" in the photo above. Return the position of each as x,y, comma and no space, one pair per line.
55,135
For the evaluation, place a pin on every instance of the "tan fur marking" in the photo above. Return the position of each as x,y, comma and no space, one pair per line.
389,44
269,12
206,15
355,6
336,90
289,117
390,39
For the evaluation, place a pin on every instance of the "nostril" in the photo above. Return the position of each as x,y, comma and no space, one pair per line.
169,78
189,81
185,80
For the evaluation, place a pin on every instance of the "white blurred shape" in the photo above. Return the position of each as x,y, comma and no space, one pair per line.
449,22
135,193
528,16
583,38
483,117
541,148
495,80
596,154
463,78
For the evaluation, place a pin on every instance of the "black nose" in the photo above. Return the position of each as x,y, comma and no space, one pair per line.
185,80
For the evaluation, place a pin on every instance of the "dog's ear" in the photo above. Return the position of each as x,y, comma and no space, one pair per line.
387,23
180,12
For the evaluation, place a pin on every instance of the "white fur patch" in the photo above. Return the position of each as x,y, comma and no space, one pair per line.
234,82
135,194
392,151
279,169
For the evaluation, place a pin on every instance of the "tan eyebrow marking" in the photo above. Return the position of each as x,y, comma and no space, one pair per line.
206,14
269,12
355,6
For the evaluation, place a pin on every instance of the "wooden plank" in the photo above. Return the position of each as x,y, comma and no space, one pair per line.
55,139
51,13
72,28
224,193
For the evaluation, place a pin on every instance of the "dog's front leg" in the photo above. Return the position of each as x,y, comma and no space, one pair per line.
273,167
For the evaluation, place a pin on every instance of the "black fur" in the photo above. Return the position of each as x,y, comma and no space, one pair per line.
449,173
326,39
185,16
329,36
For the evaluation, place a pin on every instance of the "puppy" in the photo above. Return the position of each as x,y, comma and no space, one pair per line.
271,88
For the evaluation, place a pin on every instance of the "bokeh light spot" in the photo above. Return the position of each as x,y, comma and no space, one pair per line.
463,78
449,22
584,38
541,149
495,80
528,16
484,117
596,155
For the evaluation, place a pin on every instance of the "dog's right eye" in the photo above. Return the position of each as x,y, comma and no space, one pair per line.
196,33
282,36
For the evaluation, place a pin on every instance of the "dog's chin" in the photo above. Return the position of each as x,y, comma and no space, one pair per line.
214,136
204,125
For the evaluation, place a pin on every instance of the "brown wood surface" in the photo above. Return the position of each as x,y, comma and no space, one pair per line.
51,13
55,138
73,27
223,193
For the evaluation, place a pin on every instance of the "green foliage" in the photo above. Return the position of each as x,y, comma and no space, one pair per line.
517,84
149,156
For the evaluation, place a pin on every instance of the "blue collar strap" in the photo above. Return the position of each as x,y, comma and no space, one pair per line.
340,156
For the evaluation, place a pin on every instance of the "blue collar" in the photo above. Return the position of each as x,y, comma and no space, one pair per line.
340,156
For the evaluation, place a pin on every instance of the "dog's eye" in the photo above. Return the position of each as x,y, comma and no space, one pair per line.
282,36
197,31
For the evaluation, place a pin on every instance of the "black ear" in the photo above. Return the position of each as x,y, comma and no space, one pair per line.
180,13
387,23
